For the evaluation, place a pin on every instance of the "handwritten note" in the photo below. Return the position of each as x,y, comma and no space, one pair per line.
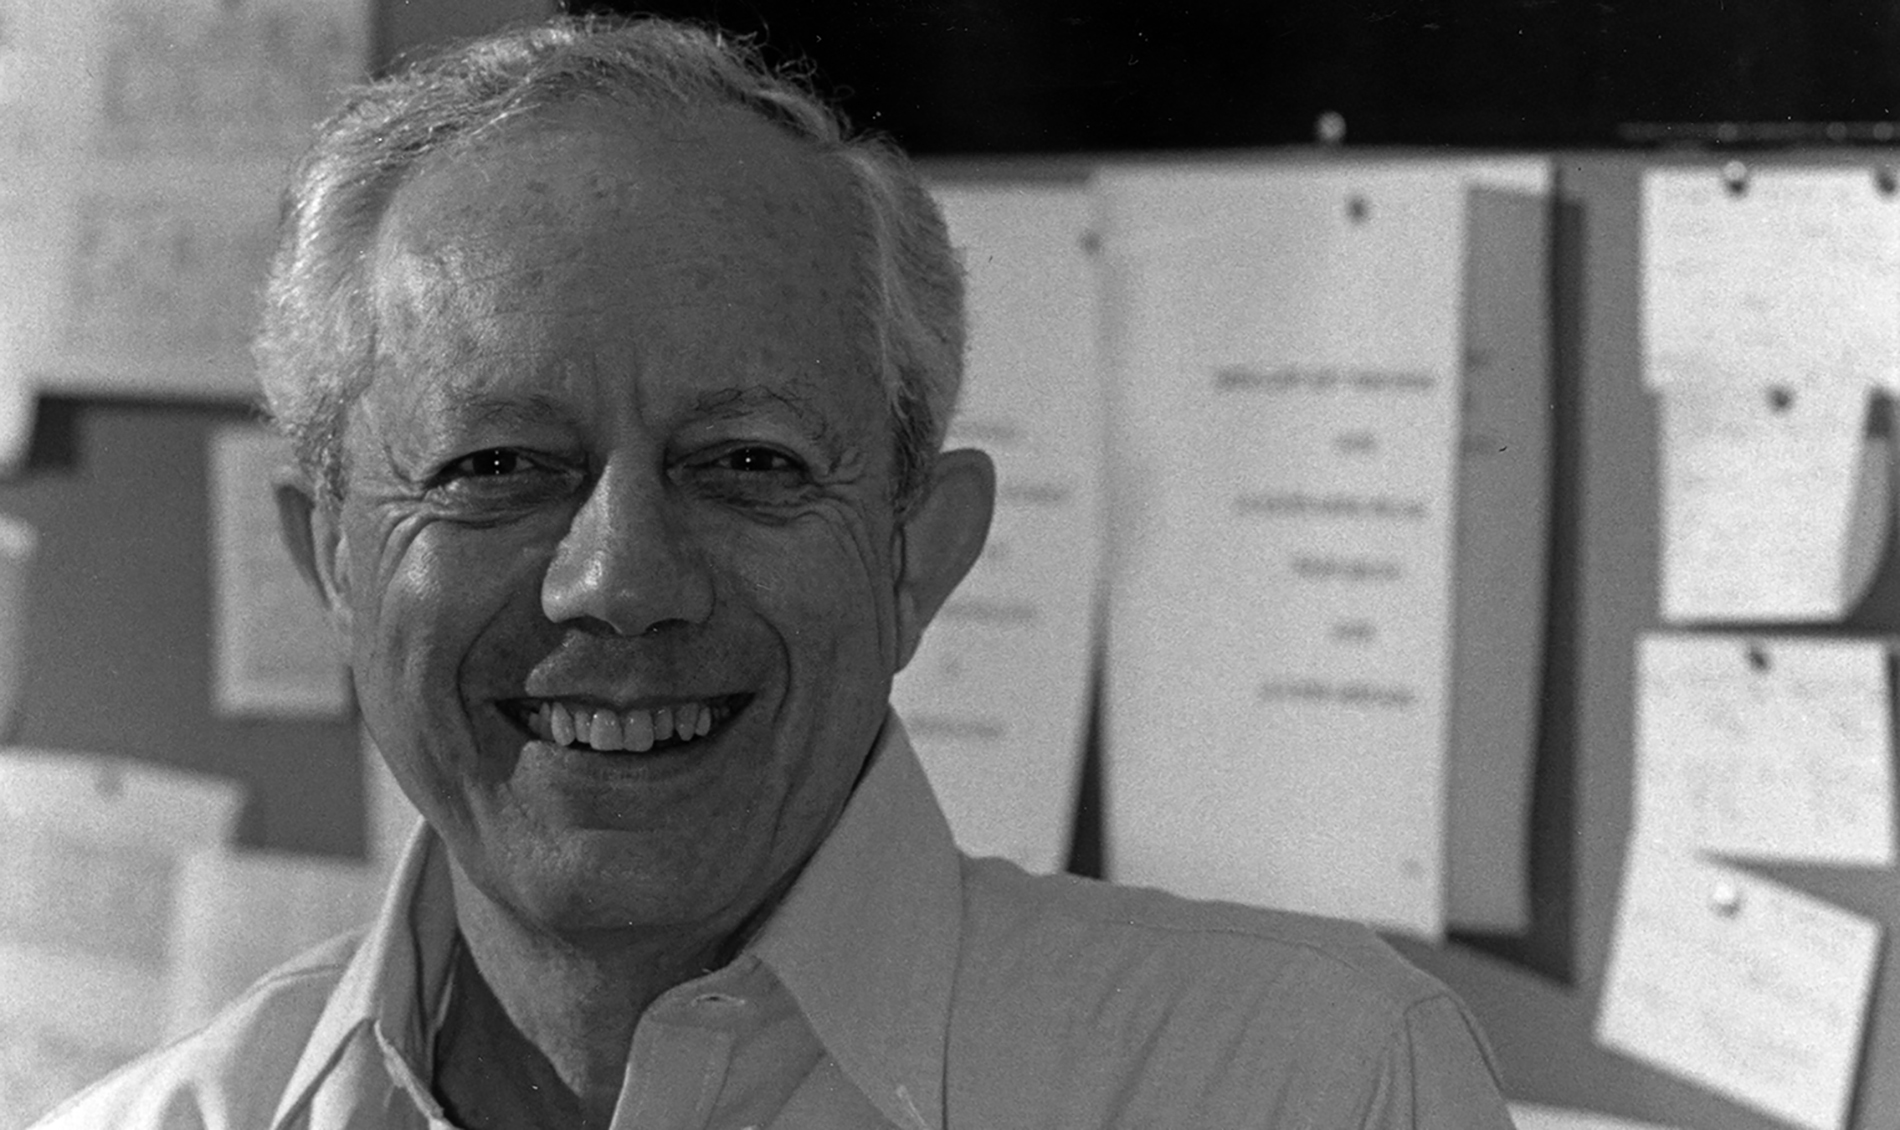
1767,748
88,856
152,139
1739,984
1775,503
1288,360
996,698
1779,274
251,75
274,653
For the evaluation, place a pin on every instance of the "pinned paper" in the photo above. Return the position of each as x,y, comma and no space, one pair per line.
149,141
1744,986
237,916
996,698
1775,504
1767,748
273,651
1777,274
88,855
1288,355
1500,560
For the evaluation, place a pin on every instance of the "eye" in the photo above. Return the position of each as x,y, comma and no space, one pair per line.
756,460
490,463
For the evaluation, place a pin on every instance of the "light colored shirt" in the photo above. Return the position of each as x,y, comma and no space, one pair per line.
898,985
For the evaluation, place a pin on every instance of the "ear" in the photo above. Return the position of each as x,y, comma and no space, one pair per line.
317,545
939,539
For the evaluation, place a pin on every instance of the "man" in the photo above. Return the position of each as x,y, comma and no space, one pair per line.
618,375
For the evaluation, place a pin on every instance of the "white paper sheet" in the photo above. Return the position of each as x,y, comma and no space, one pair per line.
1500,560
1775,503
153,137
88,853
1287,350
240,915
996,698
28,257
1538,1116
1766,748
273,651
1739,984
1790,278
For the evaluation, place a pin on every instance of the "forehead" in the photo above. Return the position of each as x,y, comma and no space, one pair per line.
599,236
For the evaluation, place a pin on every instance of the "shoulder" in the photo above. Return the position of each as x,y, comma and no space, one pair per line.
228,1073
1094,929
1198,1010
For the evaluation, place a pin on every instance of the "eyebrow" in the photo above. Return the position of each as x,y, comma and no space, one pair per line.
736,403
468,408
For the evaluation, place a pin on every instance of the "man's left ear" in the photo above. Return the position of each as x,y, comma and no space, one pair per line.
940,538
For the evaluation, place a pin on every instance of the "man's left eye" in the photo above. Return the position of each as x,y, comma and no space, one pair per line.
756,460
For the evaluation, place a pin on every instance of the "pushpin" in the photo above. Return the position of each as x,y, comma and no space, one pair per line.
1758,658
1330,128
1726,899
1735,177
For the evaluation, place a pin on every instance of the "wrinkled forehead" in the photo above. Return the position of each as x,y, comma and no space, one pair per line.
562,232
716,184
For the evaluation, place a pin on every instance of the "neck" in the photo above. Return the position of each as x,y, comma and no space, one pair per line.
540,1027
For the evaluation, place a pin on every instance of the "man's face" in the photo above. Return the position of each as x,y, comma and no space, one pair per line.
624,466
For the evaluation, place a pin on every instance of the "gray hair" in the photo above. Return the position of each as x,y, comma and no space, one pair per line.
316,348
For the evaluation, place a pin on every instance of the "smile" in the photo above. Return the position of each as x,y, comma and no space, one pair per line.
586,726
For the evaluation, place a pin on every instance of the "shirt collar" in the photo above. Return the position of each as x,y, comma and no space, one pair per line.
400,966
865,942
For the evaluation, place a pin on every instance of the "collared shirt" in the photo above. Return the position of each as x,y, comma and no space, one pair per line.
898,985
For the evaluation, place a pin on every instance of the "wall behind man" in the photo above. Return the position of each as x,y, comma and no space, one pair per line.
118,620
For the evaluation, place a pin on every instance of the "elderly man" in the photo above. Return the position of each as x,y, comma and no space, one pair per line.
618,374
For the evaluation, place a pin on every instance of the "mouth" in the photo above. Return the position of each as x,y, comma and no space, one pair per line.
602,728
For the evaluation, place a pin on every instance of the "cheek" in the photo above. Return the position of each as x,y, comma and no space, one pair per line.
432,597
829,597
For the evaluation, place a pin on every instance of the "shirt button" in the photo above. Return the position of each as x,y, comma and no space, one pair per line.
719,1000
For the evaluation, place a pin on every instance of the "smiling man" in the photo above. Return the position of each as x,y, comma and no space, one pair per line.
618,375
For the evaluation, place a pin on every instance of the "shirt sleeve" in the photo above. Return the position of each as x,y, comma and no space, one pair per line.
1437,1074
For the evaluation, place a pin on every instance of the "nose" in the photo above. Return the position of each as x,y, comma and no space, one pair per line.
628,563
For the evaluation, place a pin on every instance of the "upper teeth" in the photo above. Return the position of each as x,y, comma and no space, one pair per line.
567,723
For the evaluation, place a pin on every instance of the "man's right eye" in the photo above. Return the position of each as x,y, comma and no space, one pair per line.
485,464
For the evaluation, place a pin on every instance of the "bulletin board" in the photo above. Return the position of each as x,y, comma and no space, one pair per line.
1604,597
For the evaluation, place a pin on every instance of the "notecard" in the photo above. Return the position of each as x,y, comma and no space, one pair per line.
1783,274
1766,748
273,652
1775,503
996,698
89,848
1288,352
1739,984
